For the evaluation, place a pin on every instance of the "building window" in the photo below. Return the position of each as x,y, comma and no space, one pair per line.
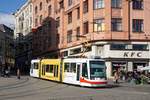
61,4
137,4
47,1
99,25
138,25
69,2
78,33
36,9
57,22
85,6
116,3
40,5
36,22
69,17
69,36
49,10
116,24
41,19
98,4
58,38
85,27
78,13
30,8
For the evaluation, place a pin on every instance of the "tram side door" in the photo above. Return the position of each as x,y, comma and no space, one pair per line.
78,71
43,69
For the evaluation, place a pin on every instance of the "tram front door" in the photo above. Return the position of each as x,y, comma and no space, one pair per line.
78,72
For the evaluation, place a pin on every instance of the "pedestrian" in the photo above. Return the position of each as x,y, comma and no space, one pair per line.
116,76
18,73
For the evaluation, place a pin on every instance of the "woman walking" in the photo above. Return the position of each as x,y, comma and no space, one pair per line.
116,76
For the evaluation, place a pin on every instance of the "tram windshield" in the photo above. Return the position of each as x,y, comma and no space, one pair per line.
97,70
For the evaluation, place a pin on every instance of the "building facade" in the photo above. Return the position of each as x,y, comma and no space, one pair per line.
6,48
116,30
23,19
23,36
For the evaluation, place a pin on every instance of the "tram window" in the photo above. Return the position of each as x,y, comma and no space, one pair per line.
66,67
73,68
55,70
84,70
43,69
51,68
35,65
47,68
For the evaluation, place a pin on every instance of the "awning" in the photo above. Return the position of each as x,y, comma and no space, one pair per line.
144,68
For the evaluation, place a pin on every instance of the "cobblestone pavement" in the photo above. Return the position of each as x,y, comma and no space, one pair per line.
28,88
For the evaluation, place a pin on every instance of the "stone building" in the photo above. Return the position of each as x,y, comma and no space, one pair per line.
6,48
23,36
116,30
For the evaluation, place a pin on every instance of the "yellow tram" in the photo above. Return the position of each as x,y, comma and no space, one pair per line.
77,71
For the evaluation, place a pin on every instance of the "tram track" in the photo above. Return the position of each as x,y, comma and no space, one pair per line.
23,83
14,84
26,93
31,91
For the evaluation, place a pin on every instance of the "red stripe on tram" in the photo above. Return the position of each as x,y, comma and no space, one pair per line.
91,82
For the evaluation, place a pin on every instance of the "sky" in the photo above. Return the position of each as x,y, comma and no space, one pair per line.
7,8
10,6
8,20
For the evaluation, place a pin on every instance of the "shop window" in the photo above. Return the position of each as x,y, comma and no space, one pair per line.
139,64
117,46
118,66
140,47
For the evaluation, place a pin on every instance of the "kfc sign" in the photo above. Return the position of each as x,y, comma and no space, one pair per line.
132,54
